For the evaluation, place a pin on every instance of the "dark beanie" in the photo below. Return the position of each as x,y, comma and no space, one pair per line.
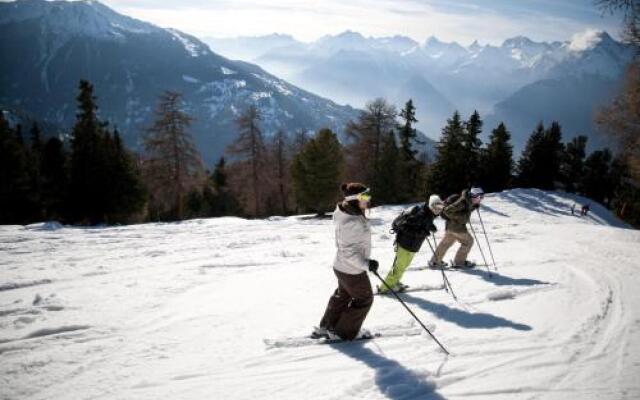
349,189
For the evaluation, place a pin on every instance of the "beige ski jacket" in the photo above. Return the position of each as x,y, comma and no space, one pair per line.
353,242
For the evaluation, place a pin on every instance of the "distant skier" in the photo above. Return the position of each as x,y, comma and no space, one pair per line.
351,301
457,214
585,210
411,228
573,209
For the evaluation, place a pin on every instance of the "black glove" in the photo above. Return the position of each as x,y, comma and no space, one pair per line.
373,265
433,228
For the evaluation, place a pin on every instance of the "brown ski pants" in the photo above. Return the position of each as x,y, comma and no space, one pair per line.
349,305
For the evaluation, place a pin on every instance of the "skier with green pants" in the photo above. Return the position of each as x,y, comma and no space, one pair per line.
412,228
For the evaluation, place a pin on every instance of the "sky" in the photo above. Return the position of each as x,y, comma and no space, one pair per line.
489,21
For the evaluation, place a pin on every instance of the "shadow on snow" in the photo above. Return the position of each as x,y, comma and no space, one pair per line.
502,280
393,379
464,318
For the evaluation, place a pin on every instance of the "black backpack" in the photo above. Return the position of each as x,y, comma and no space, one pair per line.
401,220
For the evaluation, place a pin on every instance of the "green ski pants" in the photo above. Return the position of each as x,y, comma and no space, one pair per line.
400,264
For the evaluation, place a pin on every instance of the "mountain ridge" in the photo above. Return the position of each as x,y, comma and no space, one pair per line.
130,63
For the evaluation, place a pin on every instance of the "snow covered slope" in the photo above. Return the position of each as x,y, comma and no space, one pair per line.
180,311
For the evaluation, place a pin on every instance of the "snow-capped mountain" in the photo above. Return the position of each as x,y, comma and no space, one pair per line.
48,47
351,68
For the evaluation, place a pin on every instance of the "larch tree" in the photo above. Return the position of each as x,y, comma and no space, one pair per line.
172,167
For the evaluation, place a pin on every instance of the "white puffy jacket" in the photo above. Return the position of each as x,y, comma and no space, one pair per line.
353,242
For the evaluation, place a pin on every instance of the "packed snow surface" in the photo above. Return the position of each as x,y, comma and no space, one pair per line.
183,311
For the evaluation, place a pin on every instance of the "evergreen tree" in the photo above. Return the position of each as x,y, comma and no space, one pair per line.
173,165
497,161
125,191
389,172
281,166
409,169
316,172
553,154
529,168
89,172
55,179
447,174
222,202
36,138
250,146
572,165
596,183
219,176
366,139
539,165
471,143
14,177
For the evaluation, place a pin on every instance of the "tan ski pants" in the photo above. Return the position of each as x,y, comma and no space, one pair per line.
466,241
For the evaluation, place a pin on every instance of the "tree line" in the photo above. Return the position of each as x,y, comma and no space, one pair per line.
91,178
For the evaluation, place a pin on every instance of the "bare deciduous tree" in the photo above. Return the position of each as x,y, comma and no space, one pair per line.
172,166
249,145
622,119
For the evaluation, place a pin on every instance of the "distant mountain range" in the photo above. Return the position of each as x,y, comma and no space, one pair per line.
520,82
48,46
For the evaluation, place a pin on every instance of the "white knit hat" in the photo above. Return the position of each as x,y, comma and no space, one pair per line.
435,200
476,192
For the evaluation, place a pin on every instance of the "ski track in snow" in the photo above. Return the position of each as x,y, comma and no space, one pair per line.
182,311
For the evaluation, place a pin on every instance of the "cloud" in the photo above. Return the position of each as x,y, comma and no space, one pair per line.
490,21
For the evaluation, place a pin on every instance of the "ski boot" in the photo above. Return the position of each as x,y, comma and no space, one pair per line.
465,265
438,264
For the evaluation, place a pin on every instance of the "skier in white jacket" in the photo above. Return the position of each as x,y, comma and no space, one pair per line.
351,301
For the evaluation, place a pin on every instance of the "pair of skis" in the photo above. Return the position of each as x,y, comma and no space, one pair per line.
364,335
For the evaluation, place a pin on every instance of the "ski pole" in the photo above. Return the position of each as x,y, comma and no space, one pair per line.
445,280
480,248
411,312
487,239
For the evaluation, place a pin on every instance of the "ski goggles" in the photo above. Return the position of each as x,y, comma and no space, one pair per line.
364,196
478,196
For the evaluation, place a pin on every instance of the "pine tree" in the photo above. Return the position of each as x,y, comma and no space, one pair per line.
471,143
366,138
125,191
223,202
219,176
55,179
87,192
281,166
572,165
595,182
14,176
447,174
539,165
316,172
173,166
249,145
410,169
553,154
496,166
389,172
36,138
